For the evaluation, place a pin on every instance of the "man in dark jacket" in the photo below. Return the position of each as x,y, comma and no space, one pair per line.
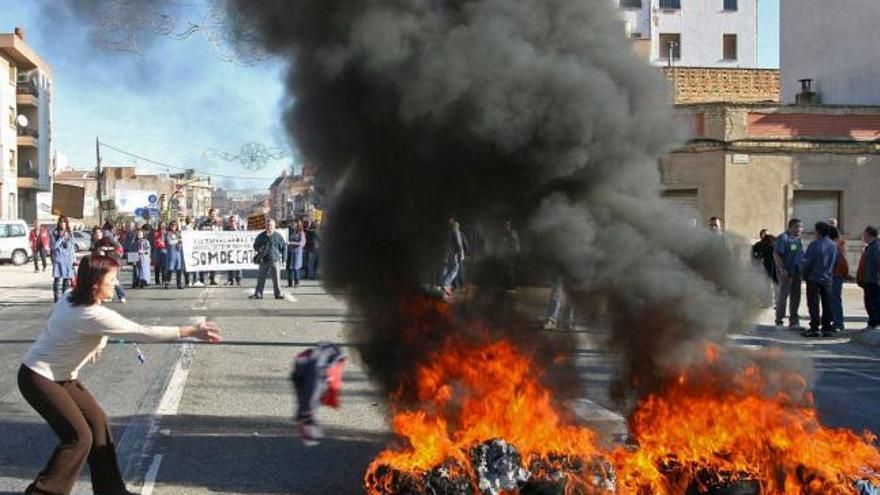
819,263
270,247
869,276
762,254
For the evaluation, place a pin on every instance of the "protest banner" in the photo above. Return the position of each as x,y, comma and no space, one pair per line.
68,200
205,250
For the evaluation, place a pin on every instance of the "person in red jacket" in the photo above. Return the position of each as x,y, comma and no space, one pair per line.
39,237
841,272
160,251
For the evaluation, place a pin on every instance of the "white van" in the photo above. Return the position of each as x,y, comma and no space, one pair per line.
14,243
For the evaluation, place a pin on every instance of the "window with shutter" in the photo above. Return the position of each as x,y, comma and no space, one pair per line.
816,206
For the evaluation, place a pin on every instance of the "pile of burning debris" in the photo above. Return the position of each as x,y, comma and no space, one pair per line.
484,425
494,467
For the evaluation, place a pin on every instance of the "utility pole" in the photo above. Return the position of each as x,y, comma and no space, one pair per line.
98,178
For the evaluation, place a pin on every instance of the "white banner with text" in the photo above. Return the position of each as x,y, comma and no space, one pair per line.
206,251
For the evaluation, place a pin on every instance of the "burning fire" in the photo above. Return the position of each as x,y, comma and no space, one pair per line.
711,430
700,433
470,394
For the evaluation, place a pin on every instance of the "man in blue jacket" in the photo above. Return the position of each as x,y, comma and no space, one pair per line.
788,253
271,249
819,263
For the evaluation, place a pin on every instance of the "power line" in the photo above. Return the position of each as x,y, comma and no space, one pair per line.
178,167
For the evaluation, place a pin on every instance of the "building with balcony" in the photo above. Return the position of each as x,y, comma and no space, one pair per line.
294,196
832,45
25,127
193,195
693,33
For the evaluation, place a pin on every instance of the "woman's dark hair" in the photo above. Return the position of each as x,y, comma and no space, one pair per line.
63,224
91,270
108,225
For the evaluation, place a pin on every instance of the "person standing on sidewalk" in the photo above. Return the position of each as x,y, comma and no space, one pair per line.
820,261
233,276
789,257
76,332
270,248
868,276
841,271
39,237
63,256
296,241
174,263
762,254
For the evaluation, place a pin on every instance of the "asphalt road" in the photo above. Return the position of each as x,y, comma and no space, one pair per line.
198,419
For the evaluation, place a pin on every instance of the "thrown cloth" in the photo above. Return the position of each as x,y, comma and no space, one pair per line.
317,379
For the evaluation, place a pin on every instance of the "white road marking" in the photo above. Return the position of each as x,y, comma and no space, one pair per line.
152,474
289,297
201,302
170,401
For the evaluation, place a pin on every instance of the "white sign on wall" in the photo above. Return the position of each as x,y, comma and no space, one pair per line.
44,206
128,200
205,250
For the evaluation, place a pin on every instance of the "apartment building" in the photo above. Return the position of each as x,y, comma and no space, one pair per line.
693,33
25,127
833,45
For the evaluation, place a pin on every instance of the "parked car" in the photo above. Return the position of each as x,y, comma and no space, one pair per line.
14,243
82,240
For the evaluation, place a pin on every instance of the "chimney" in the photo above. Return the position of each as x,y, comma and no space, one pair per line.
19,31
807,96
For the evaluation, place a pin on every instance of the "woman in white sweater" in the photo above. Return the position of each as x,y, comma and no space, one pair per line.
75,334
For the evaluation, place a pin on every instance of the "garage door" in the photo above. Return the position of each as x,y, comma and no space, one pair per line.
683,203
816,206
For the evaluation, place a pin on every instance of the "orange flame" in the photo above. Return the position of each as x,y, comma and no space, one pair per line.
734,429
709,425
474,393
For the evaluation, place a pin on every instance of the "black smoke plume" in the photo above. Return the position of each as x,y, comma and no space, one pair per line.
531,110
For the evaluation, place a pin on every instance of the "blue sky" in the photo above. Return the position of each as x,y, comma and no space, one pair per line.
768,33
176,100
172,102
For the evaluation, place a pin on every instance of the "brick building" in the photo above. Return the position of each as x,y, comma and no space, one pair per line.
712,85
130,190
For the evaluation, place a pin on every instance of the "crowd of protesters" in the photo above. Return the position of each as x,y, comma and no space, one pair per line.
158,248
823,268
